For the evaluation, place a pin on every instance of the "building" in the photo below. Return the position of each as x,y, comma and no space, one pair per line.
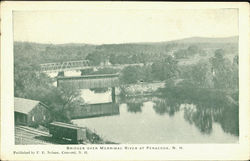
30,112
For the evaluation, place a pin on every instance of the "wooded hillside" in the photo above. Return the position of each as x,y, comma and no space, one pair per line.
121,53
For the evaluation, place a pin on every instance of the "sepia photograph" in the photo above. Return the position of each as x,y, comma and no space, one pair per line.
135,84
122,76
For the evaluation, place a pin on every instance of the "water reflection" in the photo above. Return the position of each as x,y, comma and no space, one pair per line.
166,120
92,97
202,115
100,90
134,107
228,118
166,106
95,110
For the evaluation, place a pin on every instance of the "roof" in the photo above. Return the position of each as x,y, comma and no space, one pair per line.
61,124
24,105
94,76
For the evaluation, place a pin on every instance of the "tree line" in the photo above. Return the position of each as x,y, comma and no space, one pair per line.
214,72
31,84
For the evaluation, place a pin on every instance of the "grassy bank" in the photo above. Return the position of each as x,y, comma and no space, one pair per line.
94,138
209,96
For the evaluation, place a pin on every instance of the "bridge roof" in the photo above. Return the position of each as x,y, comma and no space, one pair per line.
90,76
90,81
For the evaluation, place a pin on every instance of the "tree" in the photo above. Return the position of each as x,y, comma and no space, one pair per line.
27,78
139,58
96,57
63,98
185,53
31,84
130,74
201,74
165,68
225,74
236,59
192,50
218,58
180,54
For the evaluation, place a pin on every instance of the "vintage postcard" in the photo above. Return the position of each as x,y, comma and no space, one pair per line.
124,81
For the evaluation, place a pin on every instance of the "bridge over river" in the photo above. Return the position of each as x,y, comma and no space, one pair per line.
83,81
90,81
87,82
79,65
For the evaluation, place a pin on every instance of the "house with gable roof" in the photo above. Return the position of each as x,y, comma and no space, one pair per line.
30,112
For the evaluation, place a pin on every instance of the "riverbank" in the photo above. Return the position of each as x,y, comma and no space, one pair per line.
180,91
140,89
210,96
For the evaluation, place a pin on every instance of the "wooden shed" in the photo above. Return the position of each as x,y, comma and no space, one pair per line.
30,112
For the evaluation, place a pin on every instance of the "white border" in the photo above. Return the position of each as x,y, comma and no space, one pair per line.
190,151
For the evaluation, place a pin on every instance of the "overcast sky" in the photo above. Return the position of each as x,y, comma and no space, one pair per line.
122,26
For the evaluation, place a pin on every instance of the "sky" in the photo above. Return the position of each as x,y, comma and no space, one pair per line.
108,26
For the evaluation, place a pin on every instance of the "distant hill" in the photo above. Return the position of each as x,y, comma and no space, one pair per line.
190,40
233,39
46,53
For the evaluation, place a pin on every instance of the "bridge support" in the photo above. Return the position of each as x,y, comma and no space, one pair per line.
60,74
113,94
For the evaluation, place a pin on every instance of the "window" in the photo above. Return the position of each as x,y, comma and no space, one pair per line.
44,117
33,118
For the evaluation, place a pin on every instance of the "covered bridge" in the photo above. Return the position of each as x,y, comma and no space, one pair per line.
90,81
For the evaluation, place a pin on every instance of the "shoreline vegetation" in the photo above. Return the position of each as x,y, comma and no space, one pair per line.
94,138
203,73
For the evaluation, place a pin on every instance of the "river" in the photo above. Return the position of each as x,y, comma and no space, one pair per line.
155,120
152,120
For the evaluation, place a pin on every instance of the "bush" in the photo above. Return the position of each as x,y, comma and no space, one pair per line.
131,74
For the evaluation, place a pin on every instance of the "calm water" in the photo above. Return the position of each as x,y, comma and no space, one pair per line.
155,122
91,97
